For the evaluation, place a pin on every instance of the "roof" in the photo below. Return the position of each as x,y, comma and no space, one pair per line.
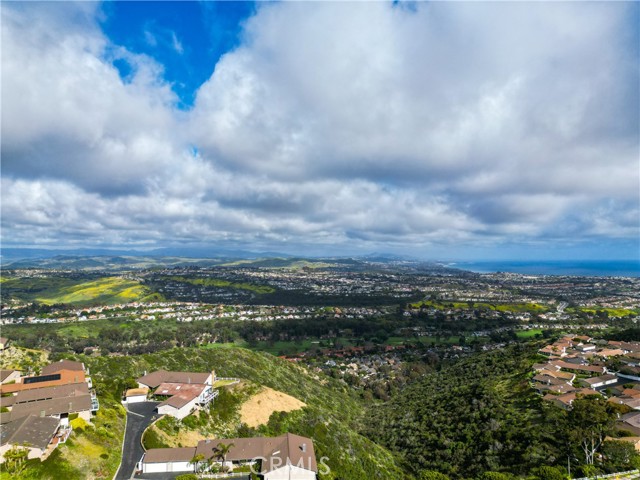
584,368
66,376
4,374
179,400
132,392
275,452
632,419
604,378
55,406
4,340
46,393
168,389
154,379
161,455
62,365
36,431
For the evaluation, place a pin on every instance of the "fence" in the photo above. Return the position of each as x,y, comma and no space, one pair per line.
618,474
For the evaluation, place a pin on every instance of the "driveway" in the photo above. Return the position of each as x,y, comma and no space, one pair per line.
139,416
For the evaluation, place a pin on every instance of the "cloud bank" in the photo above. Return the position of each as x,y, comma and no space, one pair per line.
333,125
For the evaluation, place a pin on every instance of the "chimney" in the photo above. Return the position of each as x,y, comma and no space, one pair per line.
303,447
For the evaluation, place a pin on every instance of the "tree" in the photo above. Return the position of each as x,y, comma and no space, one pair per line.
619,455
590,420
432,475
16,458
550,473
199,465
222,450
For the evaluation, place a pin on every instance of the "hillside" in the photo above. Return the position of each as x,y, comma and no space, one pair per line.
475,416
332,415
80,292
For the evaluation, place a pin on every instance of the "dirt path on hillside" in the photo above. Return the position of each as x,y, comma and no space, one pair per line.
257,410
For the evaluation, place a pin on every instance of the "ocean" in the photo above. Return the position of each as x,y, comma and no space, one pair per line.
595,268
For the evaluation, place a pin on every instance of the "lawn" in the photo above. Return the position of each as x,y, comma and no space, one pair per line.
528,333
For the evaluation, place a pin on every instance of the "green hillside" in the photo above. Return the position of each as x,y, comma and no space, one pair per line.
475,416
53,290
331,418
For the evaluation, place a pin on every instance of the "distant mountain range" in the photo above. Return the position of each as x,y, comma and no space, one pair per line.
97,259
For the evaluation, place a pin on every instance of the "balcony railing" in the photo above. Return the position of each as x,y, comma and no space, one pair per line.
209,397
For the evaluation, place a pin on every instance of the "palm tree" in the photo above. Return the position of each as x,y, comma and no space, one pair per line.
222,450
195,461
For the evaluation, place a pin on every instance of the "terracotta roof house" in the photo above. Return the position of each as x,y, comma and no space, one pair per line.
63,365
36,432
4,342
62,377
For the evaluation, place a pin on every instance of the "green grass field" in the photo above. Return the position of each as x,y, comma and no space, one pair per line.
528,333
53,290
214,282
500,307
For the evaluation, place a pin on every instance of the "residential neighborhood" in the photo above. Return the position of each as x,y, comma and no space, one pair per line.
578,365
37,410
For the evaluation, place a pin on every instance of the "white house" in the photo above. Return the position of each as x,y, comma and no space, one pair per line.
180,405
597,382
287,457
135,395
162,460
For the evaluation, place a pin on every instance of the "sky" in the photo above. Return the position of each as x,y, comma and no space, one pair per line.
440,130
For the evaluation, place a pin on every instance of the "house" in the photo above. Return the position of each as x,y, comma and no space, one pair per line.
288,456
135,395
4,343
567,377
161,460
9,376
593,370
56,367
630,423
154,379
586,347
62,377
565,401
185,391
58,401
33,432
610,352
598,382
180,405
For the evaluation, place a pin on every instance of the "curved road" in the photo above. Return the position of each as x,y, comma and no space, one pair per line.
139,416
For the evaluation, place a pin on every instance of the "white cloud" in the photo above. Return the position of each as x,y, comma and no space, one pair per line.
336,123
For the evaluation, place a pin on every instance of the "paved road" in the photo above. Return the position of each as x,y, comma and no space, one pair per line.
139,416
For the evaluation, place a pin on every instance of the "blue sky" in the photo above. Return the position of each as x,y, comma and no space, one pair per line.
186,38
444,130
